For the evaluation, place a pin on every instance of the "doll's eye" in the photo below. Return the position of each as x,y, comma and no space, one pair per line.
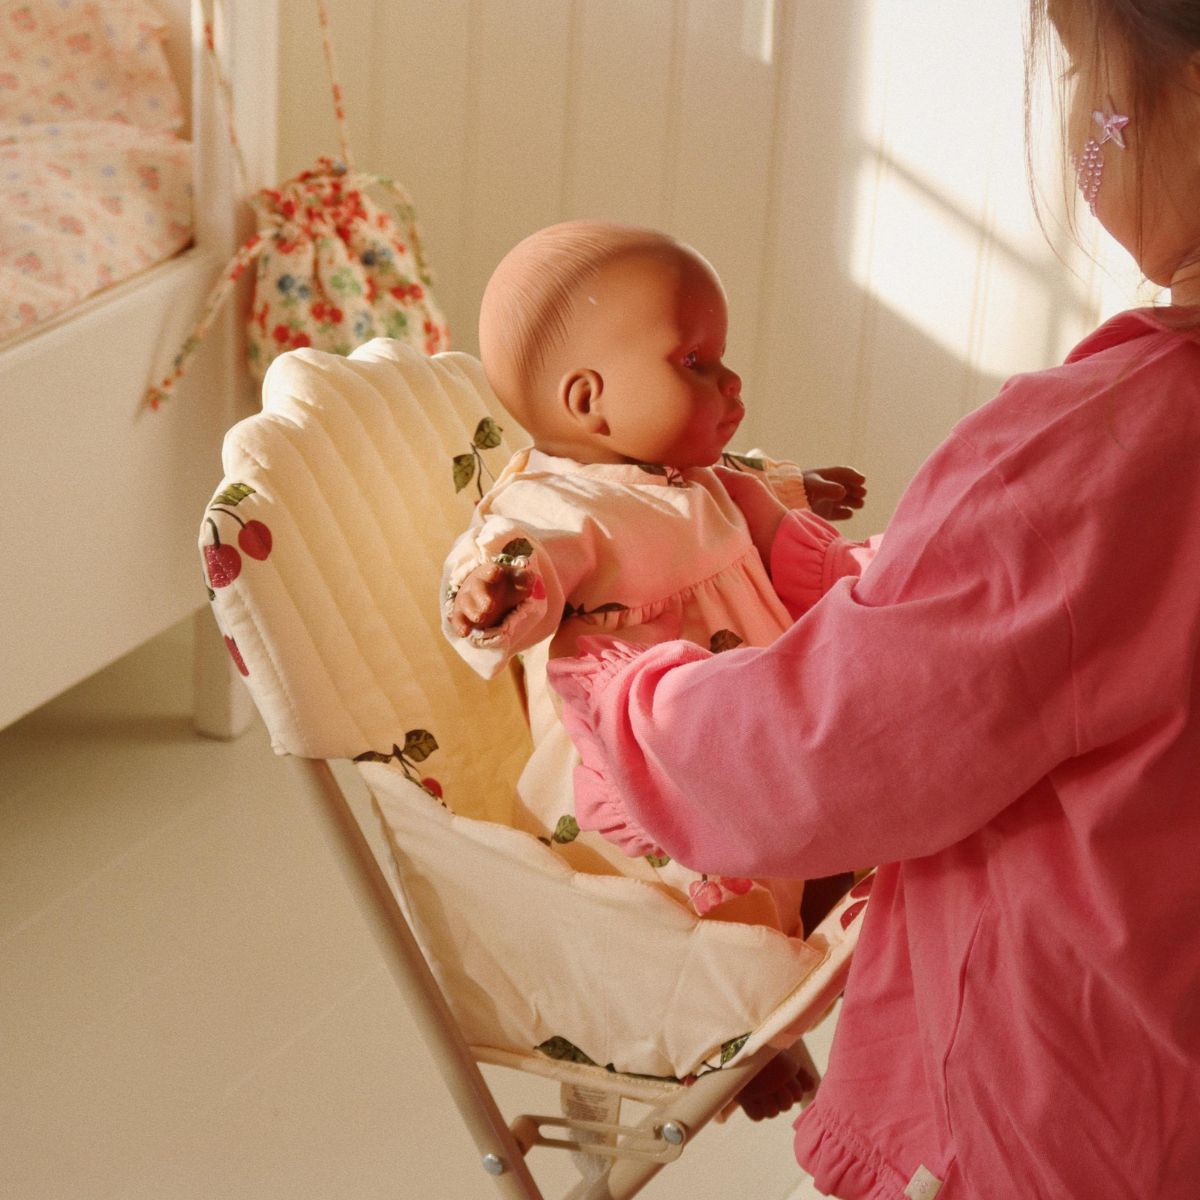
691,360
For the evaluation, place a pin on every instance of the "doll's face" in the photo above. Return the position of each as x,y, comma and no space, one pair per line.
644,380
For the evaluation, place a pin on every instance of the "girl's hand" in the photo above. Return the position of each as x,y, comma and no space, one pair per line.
487,595
834,492
760,506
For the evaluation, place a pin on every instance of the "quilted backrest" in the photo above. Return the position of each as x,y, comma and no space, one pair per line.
323,550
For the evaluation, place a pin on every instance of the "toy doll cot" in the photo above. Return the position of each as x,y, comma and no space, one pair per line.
323,548
97,491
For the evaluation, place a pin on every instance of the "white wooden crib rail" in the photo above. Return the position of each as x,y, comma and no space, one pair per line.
98,496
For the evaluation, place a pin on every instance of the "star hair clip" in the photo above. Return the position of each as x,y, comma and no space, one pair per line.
1111,124
1089,166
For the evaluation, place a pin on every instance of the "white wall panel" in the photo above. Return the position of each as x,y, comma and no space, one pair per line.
421,119
720,184
619,154
857,181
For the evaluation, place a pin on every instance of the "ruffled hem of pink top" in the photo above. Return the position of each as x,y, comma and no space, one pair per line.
838,1166
807,557
581,683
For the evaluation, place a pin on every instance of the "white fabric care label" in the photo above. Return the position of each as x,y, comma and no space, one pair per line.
924,1185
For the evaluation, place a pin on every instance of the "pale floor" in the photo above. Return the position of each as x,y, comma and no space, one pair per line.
190,1006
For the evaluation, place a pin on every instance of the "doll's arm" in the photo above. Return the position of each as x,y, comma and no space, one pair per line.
835,492
803,553
487,595
502,593
831,492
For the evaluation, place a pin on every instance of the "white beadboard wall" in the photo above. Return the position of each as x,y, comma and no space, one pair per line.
853,168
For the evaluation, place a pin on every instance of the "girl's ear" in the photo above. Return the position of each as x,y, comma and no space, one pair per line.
579,393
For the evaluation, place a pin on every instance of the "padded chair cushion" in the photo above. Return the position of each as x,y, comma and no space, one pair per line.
323,548
339,503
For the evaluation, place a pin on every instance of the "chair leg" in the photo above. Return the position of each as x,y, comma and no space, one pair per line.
499,1154
690,1110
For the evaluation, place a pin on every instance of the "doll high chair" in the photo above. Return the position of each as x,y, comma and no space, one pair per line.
323,549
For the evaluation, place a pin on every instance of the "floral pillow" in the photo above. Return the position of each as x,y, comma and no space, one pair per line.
103,60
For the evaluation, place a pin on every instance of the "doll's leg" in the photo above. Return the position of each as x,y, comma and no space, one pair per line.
820,895
789,1079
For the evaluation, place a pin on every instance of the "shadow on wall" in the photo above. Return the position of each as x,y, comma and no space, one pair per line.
859,187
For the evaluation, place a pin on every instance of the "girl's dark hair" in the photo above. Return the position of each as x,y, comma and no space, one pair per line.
1157,39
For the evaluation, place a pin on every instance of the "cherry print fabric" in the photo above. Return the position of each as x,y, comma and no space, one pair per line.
321,549
650,554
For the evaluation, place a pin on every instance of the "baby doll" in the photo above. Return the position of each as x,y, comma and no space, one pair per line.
605,343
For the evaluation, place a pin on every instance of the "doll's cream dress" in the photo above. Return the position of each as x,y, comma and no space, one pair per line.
644,553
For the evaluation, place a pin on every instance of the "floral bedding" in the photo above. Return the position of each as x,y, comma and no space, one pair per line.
95,181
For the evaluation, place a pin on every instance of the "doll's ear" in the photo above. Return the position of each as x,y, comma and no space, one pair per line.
579,393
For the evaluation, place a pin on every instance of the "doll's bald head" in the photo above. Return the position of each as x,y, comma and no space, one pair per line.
532,303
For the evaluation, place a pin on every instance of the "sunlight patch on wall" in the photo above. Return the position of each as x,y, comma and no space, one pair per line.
944,232
758,30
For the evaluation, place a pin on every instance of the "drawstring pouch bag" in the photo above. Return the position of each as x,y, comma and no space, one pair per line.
338,259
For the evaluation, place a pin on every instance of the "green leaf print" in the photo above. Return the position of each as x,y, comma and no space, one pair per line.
658,860
731,1047
233,495
464,470
471,466
562,1050
742,462
723,639
587,615
373,756
567,829
343,281
487,434
419,744
517,548
395,325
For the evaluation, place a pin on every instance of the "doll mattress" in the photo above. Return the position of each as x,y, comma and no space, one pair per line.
95,181
323,548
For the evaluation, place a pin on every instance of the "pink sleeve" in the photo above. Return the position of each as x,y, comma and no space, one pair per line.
809,556
898,715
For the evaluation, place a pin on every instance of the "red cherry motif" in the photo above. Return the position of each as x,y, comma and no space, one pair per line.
255,539
235,654
862,887
431,785
224,564
705,895
736,885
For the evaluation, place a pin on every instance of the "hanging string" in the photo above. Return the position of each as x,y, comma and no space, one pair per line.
339,108
258,243
226,94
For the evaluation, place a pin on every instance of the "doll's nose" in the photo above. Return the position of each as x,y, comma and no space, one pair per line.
731,385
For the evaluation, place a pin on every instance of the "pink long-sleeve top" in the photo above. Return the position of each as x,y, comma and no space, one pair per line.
1005,710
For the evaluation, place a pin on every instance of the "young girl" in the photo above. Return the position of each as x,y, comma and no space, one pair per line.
605,343
1006,709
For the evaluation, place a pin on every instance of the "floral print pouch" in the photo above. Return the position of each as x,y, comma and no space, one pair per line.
339,262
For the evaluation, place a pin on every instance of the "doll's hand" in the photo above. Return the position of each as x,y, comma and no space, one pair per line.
760,506
834,492
487,595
